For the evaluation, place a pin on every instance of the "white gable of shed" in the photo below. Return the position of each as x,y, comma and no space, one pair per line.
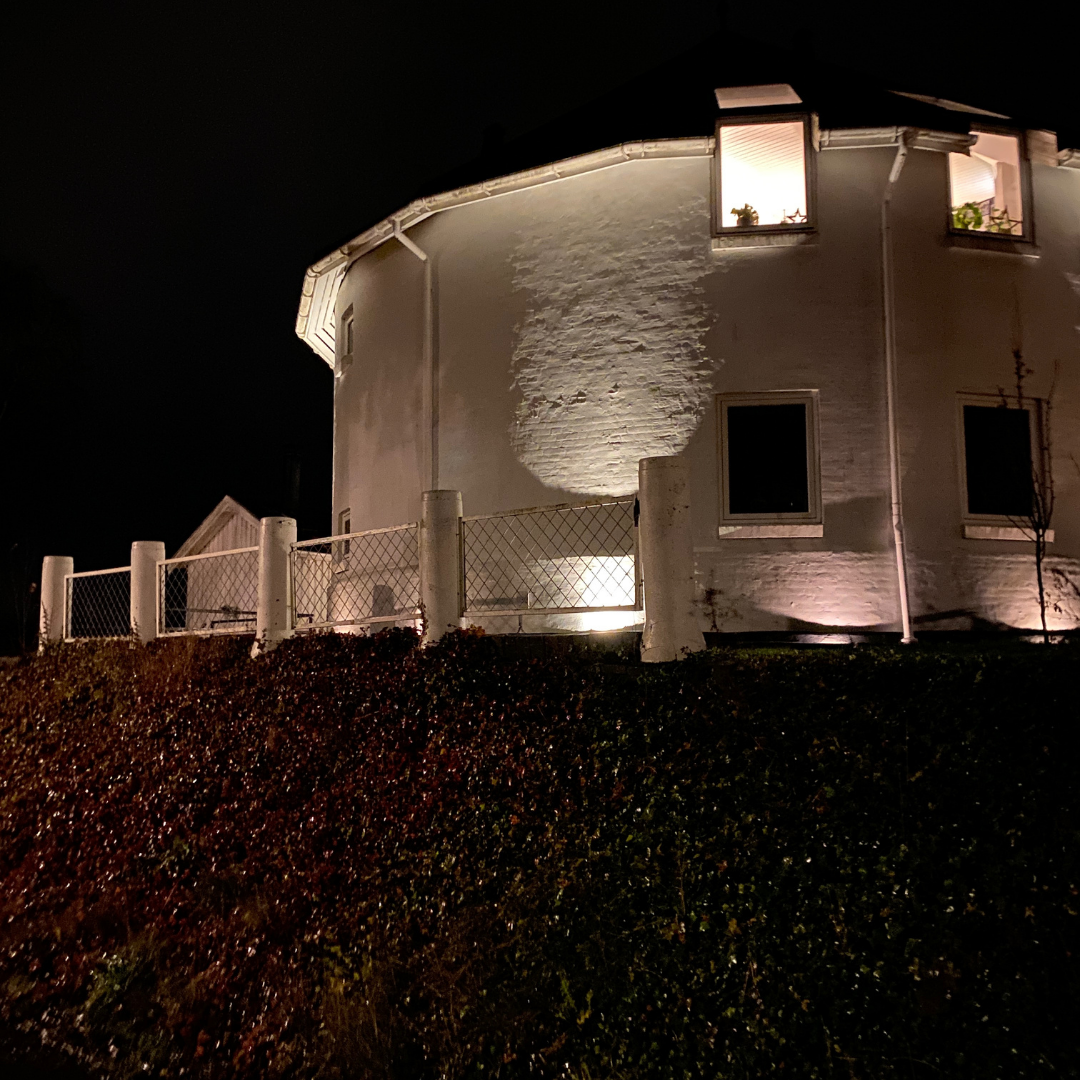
227,526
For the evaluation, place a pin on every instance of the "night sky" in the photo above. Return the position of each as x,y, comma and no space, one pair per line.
170,171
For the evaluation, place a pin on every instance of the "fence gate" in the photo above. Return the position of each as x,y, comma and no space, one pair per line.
552,559
359,579
213,593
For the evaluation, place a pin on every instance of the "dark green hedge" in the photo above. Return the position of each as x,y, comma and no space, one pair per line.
357,858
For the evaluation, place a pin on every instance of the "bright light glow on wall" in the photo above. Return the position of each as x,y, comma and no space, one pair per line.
611,268
609,620
985,187
607,581
763,168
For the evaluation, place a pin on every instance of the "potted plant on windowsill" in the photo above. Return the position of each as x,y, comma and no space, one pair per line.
968,216
745,217
1000,222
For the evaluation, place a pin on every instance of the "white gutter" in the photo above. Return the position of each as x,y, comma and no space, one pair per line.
944,142
431,358
315,319
889,330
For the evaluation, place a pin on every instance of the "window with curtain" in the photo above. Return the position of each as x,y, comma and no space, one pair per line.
762,175
985,186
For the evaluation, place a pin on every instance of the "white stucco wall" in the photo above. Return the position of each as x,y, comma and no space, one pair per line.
585,324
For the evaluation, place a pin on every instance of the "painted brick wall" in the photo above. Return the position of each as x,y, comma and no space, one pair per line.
586,324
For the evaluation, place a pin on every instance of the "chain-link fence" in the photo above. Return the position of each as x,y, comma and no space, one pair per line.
215,593
360,579
97,604
552,559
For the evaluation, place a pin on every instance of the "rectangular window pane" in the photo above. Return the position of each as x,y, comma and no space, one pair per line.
997,451
766,459
763,173
985,186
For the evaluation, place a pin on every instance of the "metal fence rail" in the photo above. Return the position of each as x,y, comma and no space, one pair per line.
359,579
97,604
213,593
552,559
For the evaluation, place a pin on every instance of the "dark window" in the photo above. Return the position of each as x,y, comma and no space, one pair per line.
766,459
997,456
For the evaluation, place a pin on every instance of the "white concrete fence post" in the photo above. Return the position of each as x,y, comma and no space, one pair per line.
440,563
667,560
274,606
53,597
145,555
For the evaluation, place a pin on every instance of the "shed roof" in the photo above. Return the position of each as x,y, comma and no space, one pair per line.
227,513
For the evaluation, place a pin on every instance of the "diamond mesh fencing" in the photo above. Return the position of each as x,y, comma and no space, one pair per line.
98,604
552,559
215,593
357,580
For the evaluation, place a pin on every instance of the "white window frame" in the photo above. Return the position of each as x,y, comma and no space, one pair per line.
989,239
810,166
993,526
345,528
345,339
748,526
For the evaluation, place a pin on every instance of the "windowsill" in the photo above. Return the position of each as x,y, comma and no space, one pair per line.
978,241
1002,532
760,532
753,238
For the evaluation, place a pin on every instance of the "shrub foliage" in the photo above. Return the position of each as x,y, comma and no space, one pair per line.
356,858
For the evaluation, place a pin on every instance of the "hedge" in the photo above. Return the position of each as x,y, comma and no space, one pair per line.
357,858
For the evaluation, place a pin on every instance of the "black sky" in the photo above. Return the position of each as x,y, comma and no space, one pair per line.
170,171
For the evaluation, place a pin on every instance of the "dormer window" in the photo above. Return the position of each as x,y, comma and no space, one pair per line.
763,182
987,187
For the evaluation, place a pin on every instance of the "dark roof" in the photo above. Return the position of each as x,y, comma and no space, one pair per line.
677,99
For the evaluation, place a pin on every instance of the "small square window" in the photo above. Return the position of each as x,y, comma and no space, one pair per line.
987,187
762,176
997,460
769,472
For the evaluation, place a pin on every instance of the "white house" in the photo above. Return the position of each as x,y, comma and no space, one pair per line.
814,301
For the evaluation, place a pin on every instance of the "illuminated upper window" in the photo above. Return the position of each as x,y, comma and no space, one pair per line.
985,190
762,175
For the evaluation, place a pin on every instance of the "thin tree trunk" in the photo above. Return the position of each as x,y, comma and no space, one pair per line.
1040,552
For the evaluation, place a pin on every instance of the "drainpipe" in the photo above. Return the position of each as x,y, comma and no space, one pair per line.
430,356
889,330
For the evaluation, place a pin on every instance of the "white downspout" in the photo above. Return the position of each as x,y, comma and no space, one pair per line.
889,330
430,356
